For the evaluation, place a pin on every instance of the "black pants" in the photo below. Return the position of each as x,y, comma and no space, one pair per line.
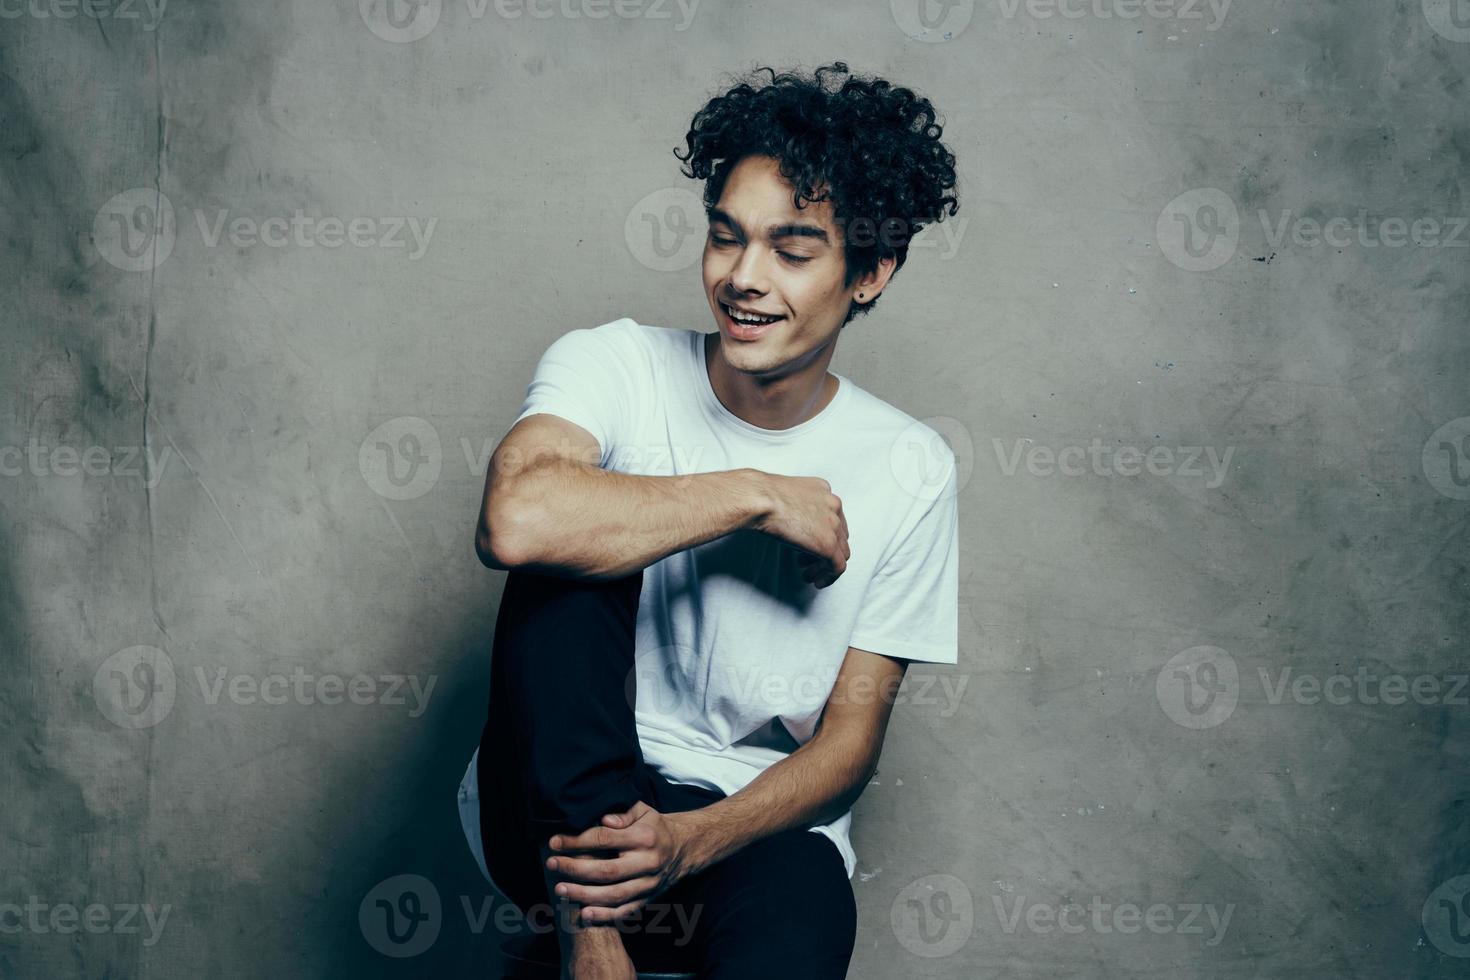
560,750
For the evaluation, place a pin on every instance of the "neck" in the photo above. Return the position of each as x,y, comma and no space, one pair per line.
772,401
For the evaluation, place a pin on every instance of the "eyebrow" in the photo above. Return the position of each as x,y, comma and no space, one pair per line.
788,230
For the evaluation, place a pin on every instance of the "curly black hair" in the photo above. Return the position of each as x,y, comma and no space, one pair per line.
869,147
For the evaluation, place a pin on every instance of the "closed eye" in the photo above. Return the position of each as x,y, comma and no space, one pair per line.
726,240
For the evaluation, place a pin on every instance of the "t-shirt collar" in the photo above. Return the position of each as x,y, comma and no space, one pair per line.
717,408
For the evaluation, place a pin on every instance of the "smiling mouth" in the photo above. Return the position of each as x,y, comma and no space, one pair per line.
747,326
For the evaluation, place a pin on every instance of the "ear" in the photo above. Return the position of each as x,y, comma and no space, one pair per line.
867,286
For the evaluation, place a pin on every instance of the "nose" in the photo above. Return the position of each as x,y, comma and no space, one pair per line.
748,274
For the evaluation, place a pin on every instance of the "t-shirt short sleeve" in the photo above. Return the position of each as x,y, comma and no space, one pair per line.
911,608
596,378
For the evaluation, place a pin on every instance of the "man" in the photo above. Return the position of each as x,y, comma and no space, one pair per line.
722,556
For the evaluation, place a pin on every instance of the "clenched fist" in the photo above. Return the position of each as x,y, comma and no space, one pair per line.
807,515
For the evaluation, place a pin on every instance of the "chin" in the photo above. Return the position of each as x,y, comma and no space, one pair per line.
746,360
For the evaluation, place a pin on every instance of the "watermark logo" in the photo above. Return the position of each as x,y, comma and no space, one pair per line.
137,687
917,457
590,10
1446,459
1364,687
65,919
149,11
1449,18
1179,461
401,458
303,230
134,688
664,230
1340,231
68,461
663,687
405,21
1103,918
932,21
1184,11
933,916
1199,688
864,231
401,916
1198,231
301,688
1446,917
135,230
400,21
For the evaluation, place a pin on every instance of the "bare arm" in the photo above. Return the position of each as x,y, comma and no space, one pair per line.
814,784
819,781
550,508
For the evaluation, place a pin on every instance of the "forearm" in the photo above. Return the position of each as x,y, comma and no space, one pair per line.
817,783
562,516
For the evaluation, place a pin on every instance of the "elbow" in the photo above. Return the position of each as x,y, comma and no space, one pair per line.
502,541
486,549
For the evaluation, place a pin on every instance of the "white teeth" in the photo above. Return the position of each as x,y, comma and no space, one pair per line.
739,317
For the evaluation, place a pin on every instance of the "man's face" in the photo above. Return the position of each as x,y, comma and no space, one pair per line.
763,256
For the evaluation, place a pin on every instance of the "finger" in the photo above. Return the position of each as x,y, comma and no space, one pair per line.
592,914
634,813
596,839
610,896
602,871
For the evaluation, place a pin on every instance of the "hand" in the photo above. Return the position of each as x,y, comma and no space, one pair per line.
653,853
808,515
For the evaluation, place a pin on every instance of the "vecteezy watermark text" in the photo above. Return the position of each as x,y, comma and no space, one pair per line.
392,690
136,230
1102,918
1202,686
67,461
96,918
402,916
1201,229
654,688
147,11
137,688
403,458
667,231
1210,12
406,21
1113,460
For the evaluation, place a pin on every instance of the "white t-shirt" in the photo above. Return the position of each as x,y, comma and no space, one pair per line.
735,654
